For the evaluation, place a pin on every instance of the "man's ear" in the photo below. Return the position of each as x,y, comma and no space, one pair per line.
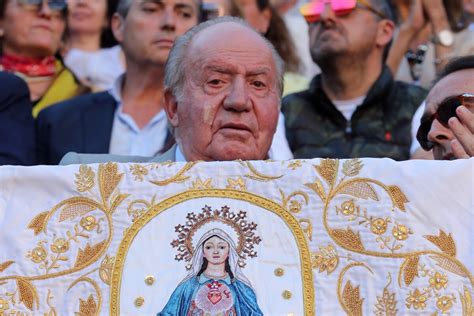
117,25
384,32
171,108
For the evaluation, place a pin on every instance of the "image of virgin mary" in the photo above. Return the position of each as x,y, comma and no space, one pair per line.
216,285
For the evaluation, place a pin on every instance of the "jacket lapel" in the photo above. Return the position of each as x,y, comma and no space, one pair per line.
97,121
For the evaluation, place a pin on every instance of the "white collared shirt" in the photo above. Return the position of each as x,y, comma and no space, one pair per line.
127,138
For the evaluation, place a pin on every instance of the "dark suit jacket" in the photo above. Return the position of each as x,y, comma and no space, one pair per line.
17,129
82,124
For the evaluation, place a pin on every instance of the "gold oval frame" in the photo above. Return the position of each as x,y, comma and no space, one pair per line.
269,205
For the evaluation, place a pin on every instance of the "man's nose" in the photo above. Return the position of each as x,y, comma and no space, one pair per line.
45,10
237,98
169,20
327,14
439,134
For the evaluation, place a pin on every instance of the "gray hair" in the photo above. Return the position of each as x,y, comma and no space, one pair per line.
176,63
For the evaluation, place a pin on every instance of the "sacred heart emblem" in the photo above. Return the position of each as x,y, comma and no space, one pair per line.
214,297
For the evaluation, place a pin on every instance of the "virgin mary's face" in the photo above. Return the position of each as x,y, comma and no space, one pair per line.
216,250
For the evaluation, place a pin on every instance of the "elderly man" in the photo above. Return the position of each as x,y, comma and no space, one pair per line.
447,125
221,97
128,119
354,108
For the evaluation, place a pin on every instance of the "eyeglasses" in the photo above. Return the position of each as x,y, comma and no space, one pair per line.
54,5
445,111
312,11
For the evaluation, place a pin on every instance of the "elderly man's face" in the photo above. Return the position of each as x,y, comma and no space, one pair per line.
454,84
229,104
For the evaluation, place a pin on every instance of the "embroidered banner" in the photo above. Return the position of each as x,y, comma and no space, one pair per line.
301,237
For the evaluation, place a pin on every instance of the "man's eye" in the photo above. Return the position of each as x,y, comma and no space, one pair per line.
150,8
258,84
215,82
186,15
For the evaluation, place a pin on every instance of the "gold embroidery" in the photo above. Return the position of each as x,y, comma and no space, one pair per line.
255,175
178,177
106,267
84,179
386,304
38,223
295,206
202,185
401,232
399,199
444,242
439,281
307,227
294,164
417,299
88,307
467,303
360,190
326,259
28,294
5,265
347,238
138,207
83,256
149,280
349,297
445,303
328,170
305,259
452,266
352,167
236,184
139,171
318,188
409,268
76,208
286,294
139,301
109,178
279,272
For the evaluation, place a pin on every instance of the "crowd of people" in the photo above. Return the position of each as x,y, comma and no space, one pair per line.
154,80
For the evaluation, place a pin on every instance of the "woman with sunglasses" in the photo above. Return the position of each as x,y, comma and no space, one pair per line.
30,35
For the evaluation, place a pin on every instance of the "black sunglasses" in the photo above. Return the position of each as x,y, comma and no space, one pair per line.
445,111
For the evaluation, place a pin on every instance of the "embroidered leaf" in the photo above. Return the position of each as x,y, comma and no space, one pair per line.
398,197
443,242
89,252
318,188
117,201
105,270
109,178
351,300
84,178
258,176
386,304
410,269
328,170
87,308
5,265
449,265
361,190
467,304
38,224
76,208
28,294
348,239
352,167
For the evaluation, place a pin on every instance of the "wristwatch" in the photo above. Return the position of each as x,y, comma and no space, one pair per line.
444,37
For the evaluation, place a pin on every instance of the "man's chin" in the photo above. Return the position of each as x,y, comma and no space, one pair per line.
236,152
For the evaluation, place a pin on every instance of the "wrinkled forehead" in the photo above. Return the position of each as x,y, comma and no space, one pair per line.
232,44
173,3
454,84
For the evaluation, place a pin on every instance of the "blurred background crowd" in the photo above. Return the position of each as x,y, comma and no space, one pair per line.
82,75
